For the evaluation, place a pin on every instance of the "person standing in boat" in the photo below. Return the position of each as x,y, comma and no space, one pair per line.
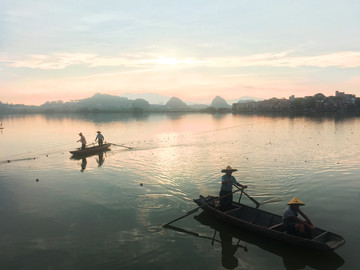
99,138
227,182
82,140
295,225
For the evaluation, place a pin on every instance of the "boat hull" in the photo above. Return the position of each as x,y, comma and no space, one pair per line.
269,225
91,150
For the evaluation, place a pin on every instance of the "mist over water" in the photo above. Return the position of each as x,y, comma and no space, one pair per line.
106,211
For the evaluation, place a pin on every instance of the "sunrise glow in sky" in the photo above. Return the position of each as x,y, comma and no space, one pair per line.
191,49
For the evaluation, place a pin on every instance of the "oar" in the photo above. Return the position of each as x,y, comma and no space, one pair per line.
212,242
121,145
197,208
251,198
171,227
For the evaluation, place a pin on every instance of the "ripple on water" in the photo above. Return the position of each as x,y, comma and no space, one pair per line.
154,229
152,201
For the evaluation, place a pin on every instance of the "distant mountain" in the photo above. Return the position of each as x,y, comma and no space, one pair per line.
176,104
99,101
140,104
246,99
110,103
198,106
150,97
220,103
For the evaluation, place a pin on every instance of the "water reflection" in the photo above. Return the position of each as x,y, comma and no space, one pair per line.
293,257
83,164
100,117
99,157
228,250
100,160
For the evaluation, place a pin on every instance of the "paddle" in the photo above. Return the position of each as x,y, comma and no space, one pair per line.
177,229
197,208
251,198
121,145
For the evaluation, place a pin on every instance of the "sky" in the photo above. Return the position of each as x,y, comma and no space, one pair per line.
195,50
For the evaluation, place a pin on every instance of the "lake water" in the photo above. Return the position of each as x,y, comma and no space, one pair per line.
106,211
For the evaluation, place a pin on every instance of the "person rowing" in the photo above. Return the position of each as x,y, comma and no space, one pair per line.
227,182
99,138
295,225
82,140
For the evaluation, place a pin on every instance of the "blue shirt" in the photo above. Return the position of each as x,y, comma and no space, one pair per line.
289,212
227,186
99,137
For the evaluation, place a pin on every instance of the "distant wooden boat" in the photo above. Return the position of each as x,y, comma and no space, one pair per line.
91,150
268,224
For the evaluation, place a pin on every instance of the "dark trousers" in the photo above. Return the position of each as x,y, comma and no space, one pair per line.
226,202
83,146
290,228
100,142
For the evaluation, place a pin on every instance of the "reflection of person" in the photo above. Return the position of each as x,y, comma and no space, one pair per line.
228,259
101,160
295,225
82,140
227,181
99,138
83,164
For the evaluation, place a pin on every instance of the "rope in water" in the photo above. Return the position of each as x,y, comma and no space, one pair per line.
33,155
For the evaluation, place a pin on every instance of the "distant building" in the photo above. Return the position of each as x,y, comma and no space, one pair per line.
309,104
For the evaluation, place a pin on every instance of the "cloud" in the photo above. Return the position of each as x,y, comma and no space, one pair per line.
346,59
64,60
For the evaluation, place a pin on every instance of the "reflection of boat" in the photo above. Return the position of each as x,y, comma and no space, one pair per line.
83,164
91,150
99,159
269,225
293,257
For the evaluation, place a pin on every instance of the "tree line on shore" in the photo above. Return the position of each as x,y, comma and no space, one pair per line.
341,102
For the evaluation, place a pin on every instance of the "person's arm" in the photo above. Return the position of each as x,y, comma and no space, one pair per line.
236,183
241,186
308,221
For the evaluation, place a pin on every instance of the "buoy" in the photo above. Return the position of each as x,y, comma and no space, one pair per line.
141,184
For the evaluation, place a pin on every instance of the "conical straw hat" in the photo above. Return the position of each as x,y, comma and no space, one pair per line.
229,169
296,201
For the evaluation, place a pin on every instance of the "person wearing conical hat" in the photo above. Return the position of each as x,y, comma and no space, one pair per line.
99,138
227,182
82,140
295,225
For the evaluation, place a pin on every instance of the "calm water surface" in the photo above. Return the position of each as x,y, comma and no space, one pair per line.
106,211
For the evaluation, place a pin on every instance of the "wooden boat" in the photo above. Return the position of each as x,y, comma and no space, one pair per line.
293,257
268,224
91,150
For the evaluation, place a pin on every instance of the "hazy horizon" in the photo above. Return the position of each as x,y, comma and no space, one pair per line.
152,98
61,50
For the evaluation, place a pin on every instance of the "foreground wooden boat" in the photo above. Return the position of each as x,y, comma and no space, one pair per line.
269,225
293,257
91,150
